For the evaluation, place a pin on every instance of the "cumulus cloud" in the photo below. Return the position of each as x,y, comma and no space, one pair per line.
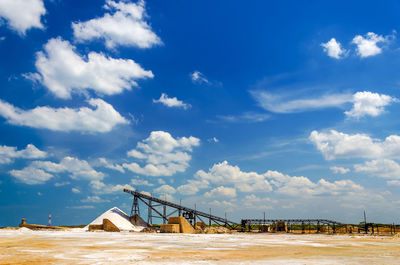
63,71
302,186
193,186
123,25
198,78
223,203
9,153
163,154
22,15
165,189
103,118
100,187
141,182
76,168
223,173
367,44
259,203
31,175
365,103
385,168
221,191
75,190
339,170
334,145
171,102
334,49
230,178
105,163
368,103
38,172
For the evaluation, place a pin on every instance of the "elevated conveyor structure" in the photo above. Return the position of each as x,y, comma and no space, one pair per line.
191,214
317,223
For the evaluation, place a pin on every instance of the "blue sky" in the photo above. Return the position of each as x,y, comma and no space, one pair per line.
288,108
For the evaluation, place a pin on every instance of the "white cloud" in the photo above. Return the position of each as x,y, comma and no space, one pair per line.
60,184
31,175
163,154
334,49
259,203
146,193
213,140
81,207
232,178
161,181
224,174
63,71
247,117
104,162
393,182
193,186
334,144
77,169
94,199
9,153
302,186
221,191
364,102
171,102
385,168
141,182
339,170
124,25
103,118
75,190
368,103
367,45
101,188
198,78
22,14
279,103
165,189
223,203
38,172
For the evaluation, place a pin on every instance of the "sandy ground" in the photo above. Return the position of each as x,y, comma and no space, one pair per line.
79,247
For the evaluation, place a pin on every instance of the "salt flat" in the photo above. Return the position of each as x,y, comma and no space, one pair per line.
79,247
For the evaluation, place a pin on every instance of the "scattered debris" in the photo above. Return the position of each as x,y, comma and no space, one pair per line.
149,230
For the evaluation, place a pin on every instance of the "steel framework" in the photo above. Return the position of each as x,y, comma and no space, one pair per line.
248,223
191,214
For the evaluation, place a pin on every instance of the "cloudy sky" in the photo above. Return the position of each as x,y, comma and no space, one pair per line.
287,108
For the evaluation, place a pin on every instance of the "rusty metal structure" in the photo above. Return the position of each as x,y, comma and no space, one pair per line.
249,224
192,215
163,209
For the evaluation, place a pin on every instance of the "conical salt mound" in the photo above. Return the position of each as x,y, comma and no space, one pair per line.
118,218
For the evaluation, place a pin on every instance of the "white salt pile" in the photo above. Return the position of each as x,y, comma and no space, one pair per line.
118,218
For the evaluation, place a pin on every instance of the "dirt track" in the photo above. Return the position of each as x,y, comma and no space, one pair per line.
61,247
